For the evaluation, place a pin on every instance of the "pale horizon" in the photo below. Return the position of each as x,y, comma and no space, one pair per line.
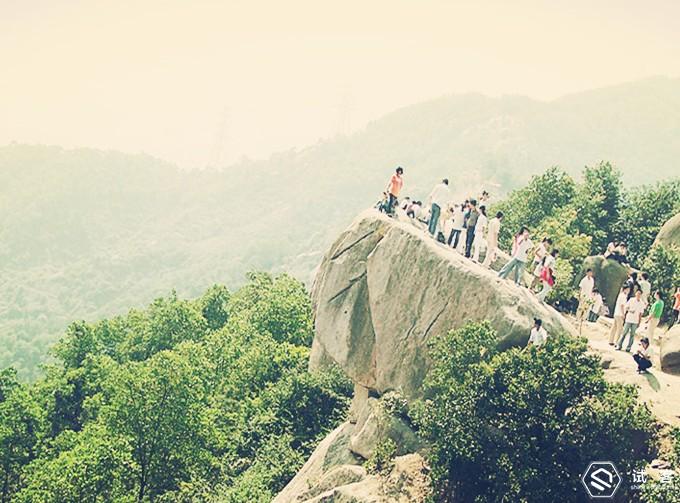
210,83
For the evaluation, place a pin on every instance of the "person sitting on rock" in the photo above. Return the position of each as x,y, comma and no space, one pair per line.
611,247
643,356
538,335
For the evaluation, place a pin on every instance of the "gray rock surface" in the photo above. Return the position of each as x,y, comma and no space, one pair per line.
670,351
670,232
374,425
609,277
385,288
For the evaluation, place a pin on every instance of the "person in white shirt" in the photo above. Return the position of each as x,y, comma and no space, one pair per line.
520,251
458,219
585,295
493,230
619,310
539,254
438,199
479,242
631,320
538,335
595,309
646,287
643,356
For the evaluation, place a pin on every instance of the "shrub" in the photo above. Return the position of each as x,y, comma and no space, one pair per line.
522,425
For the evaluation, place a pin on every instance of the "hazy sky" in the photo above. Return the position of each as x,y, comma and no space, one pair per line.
163,76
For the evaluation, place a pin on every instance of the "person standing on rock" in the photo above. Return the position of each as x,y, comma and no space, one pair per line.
631,321
539,254
619,310
480,234
520,251
548,274
394,188
493,231
675,316
438,199
646,287
655,313
458,218
585,294
471,227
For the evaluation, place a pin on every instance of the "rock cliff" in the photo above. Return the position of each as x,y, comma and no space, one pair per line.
385,288
382,291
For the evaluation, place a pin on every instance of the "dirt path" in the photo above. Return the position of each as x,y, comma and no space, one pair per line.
659,390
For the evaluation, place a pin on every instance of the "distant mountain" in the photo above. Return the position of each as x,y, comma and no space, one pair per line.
86,233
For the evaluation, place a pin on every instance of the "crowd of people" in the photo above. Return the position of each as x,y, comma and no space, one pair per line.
467,228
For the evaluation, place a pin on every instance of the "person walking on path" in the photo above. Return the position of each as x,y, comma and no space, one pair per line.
493,230
619,310
471,227
548,274
520,251
632,282
655,313
585,294
394,188
643,356
438,199
480,234
631,321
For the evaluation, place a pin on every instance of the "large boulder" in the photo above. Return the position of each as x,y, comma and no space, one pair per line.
385,288
670,232
609,277
670,351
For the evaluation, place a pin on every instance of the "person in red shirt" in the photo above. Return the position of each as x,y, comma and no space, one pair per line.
394,188
675,317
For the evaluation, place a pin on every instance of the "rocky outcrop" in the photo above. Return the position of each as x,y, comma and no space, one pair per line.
385,288
670,351
670,232
609,277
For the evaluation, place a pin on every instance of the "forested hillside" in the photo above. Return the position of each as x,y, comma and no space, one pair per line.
202,400
87,234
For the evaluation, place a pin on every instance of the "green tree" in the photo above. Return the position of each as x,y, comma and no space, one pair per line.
528,206
663,265
644,210
597,204
521,425
158,408
20,418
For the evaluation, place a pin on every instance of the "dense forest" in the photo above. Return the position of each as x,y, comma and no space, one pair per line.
89,234
182,401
